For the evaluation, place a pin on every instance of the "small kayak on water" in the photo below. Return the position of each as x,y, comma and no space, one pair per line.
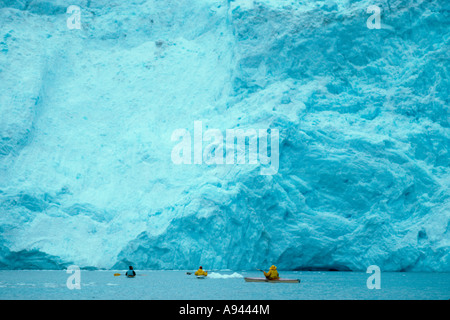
280,280
201,277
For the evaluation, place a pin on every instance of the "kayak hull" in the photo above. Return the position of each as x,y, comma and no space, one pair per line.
281,280
201,277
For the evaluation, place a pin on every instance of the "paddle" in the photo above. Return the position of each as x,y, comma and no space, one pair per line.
119,274
261,271
265,274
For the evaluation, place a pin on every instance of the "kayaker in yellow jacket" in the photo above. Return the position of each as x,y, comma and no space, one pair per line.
272,274
201,272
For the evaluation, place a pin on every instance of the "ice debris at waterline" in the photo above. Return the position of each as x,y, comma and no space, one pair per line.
88,110
216,275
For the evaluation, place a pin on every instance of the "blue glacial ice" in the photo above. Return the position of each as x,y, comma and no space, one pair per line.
87,115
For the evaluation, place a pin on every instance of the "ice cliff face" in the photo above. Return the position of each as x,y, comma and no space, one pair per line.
87,115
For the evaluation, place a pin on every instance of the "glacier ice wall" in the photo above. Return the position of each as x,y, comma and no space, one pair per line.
86,175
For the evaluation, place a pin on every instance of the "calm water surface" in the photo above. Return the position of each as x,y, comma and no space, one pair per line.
221,285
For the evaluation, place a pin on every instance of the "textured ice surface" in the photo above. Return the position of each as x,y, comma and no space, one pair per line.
86,175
